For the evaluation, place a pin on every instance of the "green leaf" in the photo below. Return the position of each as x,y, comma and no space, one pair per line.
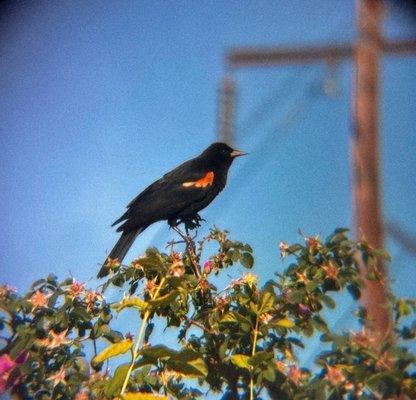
296,342
260,357
192,368
297,296
38,283
185,355
247,260
228,317
266,302
25,342
386,380
153,353
82,314
403,308
186,361
328,301
143,396
114,386
113,351
319,323
113,336
235,317
199,365
152,260
270,374
163,300
245,323
354,290
241,361
129,302
381,253
82,366
294,248
283,323
247,248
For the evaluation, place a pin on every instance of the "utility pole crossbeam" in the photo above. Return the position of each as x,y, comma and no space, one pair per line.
365,151
268,57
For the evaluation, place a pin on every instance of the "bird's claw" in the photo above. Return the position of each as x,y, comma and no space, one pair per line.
193,222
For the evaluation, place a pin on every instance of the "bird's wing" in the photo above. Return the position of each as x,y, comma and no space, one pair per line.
174,192
186,169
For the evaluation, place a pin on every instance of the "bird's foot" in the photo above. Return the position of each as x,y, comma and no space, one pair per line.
193,222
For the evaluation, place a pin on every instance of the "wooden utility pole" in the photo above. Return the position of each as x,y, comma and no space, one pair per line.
369,46
366,158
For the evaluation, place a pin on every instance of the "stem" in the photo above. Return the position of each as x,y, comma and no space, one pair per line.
190,247
199,325
139,339
253,352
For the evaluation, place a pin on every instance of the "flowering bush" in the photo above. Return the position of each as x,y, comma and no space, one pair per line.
236,343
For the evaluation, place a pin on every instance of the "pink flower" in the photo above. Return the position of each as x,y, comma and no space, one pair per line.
150,286
331,271
176,257
220,303
177,269
54,339
39,299
280,365
136,263
76,289
112,263
335,375
6,291
304,309
91,297
203,285
301,277
313,242
6,367
266,318
22,357
58,377
249,279
208,267
6,363
295,374
362,338
283,247
82,395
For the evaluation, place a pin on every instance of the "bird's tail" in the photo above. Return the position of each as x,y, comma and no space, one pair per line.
119,250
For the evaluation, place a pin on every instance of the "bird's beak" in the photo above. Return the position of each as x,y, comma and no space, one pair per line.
237,153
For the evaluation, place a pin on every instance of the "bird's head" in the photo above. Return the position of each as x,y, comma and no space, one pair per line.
222,154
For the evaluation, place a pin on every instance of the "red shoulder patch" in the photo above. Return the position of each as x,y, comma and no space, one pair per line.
207,180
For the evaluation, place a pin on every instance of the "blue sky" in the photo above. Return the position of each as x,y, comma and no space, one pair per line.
100,98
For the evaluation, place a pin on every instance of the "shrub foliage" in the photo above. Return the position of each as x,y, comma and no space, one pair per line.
236,342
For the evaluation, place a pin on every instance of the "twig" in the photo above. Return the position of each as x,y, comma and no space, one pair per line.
253,352
199,325
191,249
139,338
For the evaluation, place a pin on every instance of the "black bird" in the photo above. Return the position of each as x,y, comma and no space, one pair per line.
176,197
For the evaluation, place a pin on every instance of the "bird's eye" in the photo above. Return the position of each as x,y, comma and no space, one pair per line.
223,151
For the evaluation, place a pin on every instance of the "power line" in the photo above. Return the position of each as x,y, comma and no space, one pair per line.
401,236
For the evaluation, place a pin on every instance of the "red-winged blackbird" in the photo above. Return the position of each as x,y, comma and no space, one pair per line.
176,197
